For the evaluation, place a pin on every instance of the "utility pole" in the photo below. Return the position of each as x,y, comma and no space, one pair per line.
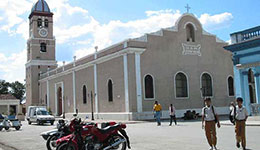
92,111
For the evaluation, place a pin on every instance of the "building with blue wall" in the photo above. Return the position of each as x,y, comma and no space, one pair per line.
245,47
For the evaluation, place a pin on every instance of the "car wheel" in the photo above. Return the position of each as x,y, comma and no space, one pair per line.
52,122
6,128
17,128
38,122
1,128
29,122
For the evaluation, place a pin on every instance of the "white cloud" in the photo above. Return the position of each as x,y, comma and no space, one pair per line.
60,63
217,21
83,52
23,29
12,68
11,13
83,42
66,34
229,41
151,13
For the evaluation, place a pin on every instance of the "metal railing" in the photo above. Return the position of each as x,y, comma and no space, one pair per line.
245,35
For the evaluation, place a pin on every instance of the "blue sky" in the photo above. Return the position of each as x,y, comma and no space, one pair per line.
82,24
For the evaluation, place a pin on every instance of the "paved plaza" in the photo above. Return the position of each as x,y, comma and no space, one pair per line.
144,136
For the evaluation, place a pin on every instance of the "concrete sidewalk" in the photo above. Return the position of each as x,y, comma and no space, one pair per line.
251,121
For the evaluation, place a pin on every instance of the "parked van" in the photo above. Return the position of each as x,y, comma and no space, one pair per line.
39,115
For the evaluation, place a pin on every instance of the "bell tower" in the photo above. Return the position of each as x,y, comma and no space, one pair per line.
40,50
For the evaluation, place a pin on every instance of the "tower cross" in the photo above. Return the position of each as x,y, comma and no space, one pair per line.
188,8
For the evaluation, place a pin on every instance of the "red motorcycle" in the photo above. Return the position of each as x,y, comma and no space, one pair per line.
92,138
76,126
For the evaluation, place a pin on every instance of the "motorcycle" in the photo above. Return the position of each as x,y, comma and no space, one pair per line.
93,138
10,123
52,135
75,125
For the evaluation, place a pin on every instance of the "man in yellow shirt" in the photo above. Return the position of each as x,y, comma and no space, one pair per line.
157,108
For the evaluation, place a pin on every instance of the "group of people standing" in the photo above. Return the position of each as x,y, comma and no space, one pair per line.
210,118
157,108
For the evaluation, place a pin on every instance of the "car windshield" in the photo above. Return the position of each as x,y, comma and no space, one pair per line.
42,112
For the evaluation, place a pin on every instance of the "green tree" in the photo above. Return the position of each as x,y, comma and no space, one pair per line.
17,89
4,87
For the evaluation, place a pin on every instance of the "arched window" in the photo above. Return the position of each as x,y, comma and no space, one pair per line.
251,78
43,47
149,87
206,85
46,23
110,90
84,95
231,91
190,33
251,84
181,85
39,22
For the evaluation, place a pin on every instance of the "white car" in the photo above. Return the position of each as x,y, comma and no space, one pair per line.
39,115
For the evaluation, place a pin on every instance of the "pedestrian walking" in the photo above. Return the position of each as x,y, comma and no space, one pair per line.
172,114
232,106
157,108
240,114
209,121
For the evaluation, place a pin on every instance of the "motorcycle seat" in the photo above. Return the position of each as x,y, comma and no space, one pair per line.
108,129
13,119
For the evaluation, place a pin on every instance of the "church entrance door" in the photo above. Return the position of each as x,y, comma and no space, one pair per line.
59,96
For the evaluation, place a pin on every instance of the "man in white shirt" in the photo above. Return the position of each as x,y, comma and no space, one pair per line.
240,114
209,120
172,114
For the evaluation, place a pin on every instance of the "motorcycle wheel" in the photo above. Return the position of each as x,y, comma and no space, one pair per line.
17,128
49,141
65,146
6,128
115,138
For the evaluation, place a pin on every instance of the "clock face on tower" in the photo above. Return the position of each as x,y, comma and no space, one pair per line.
43,32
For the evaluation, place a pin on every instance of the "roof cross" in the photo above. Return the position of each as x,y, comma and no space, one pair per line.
188,8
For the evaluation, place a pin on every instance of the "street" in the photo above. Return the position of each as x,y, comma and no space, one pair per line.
144,136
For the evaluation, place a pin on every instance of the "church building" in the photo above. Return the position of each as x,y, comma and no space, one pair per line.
178,65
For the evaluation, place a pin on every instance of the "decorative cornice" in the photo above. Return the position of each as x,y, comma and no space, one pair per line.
128,50
246,54
41,62
243,66
243,45
35,13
